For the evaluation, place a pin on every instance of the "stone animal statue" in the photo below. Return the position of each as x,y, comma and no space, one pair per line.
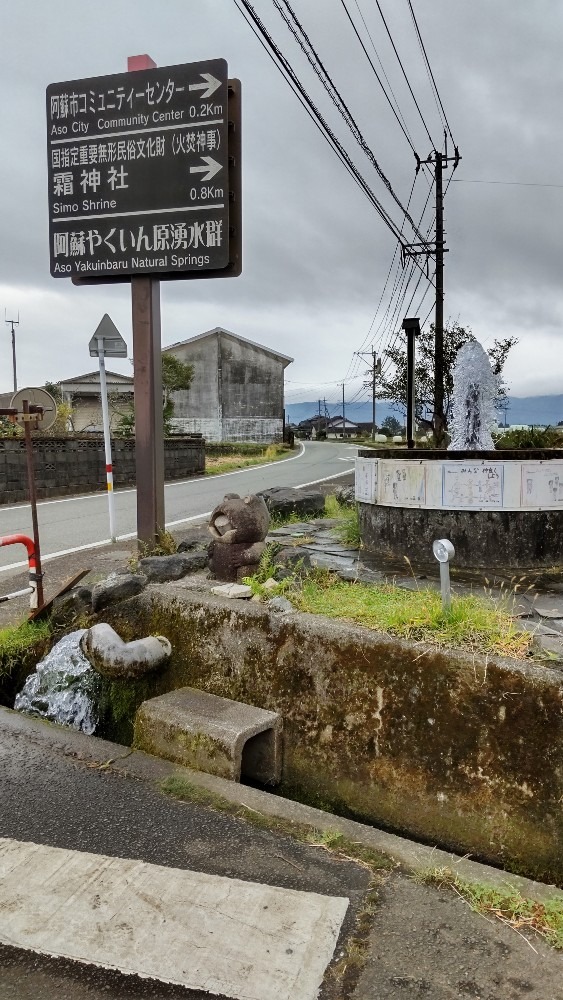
238,527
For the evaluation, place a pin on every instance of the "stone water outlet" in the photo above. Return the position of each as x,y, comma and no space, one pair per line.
212,734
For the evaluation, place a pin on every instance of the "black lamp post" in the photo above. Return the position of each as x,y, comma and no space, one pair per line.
411,326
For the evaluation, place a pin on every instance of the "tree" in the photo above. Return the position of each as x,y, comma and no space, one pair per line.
175,376
393,387
392,425
63,422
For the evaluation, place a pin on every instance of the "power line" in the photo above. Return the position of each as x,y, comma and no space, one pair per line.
366,338
429,69
379,80
304,42
281,61
465,180
300,98
402,68
354,362
388,82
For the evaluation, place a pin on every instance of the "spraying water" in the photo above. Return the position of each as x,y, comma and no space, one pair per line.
64,687
473,400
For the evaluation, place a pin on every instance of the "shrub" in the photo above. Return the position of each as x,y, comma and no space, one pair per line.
530,437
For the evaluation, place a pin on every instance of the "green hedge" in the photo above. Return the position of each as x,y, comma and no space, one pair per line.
217,448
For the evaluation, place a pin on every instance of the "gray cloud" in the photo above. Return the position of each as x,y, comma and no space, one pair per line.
316,255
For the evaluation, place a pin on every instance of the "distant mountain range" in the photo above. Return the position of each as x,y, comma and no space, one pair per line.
521,410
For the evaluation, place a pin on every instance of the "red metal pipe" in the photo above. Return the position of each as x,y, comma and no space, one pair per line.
21,540
31,559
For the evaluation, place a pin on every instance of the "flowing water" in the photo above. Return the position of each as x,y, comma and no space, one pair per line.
64,687
473,400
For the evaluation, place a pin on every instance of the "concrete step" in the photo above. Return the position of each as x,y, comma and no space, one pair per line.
211,734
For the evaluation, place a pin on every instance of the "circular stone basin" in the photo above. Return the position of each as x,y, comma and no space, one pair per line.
503,510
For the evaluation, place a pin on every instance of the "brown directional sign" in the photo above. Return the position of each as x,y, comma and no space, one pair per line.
141,174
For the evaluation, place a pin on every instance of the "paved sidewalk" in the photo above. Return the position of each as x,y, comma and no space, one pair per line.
64,790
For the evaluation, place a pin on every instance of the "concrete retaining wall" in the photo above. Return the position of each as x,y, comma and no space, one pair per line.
460,751
64,466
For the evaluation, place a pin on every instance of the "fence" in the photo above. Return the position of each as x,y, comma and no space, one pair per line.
64,466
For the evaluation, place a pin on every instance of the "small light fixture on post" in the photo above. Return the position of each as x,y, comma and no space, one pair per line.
411,326
444,553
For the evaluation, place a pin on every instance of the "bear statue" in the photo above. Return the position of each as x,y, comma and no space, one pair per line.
239,527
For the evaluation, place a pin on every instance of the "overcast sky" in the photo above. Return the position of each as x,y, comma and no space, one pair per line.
316,255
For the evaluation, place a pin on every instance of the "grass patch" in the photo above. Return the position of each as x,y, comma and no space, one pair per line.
336,843
506,905
348,528
473,623
165,546
215,465
279,520
16,640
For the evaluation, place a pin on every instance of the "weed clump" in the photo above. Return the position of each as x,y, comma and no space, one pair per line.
16,640
473,623
506,905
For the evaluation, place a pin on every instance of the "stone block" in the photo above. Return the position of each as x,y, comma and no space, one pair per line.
234,591
288,500
159,569
117,587
211,734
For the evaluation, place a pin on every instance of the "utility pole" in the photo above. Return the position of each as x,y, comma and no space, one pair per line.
439,161
13,323
439,416
343,413
375,370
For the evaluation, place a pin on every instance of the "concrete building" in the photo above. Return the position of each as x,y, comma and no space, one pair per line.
237,389
83,394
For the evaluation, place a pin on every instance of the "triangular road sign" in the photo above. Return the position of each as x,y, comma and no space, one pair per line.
114,345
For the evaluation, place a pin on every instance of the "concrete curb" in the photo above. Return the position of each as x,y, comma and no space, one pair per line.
141,766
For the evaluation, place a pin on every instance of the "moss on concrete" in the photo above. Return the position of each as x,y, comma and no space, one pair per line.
461,751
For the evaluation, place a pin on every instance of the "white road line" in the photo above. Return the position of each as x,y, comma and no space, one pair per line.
176,482
203,932
169,524
345,472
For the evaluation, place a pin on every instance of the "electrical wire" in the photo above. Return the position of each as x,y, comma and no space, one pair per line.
397,114
429,71
288,72
300,98
297,30
465,180
401,65
367,337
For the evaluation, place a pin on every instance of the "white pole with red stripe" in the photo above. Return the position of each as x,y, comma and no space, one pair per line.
107,439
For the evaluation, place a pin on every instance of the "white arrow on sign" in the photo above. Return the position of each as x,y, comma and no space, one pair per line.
210,168
210,86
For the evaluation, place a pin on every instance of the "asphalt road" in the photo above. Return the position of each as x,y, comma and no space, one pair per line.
74,523
52,793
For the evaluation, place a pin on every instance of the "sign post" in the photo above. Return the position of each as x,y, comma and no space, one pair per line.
107,341
144,184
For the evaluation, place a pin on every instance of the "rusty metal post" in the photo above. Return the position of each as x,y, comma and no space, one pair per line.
149,425
33,500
